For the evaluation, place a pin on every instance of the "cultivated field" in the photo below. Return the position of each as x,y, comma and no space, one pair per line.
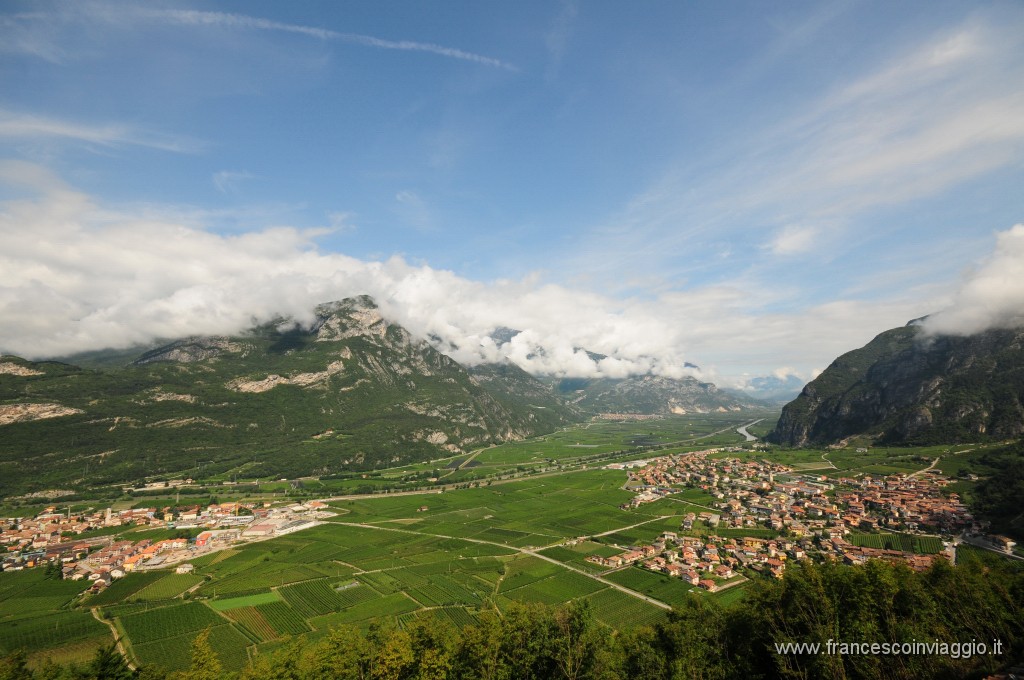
447,556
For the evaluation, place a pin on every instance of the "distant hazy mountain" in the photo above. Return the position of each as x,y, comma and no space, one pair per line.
641,394
770,388
353,392
905,386
651,395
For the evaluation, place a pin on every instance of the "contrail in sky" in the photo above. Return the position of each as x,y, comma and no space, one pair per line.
200,18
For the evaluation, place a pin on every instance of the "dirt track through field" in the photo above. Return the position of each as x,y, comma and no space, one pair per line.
524,551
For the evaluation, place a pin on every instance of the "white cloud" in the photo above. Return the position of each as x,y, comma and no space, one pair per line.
227,181
30,33
943,111
940,112
784,372
794,240
26,126
556,40
992,295
414,210
75,275
341,222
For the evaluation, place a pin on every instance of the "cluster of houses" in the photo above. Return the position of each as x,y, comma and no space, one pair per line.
118,558
810,513
706,563
900,502
709,561
62,539
664,475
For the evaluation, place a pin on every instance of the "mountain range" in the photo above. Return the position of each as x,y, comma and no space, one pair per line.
650,395
353,391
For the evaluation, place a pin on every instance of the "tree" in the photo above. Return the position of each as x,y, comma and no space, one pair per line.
432,649
205,664
640,655
393,657
14,666
479,650
108,664
577,640
344,654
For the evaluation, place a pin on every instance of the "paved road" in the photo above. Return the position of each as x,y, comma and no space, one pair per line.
817,467
696,505
492,482
704,436
730,584
468,460
452,486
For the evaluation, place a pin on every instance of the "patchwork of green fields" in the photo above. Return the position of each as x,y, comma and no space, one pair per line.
604,441
174,652
441,556
170,586
613,607
382,557
245,601
536,512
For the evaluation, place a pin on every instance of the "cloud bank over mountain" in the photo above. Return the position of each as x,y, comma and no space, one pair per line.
991,295
76,275
755,202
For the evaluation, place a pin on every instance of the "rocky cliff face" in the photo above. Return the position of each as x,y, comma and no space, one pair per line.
193,349
909,387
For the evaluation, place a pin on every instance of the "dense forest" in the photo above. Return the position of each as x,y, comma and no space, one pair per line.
978,601
998,496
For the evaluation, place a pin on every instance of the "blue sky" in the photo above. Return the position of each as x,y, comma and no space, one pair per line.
752,187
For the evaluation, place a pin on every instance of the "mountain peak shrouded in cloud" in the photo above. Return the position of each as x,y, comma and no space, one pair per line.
737,186
991,295
78,276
